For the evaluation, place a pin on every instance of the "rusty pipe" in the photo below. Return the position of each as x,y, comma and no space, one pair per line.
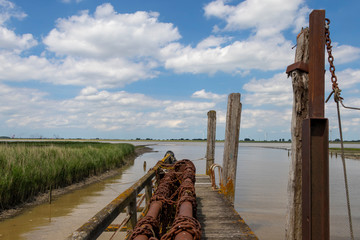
186,209
154,210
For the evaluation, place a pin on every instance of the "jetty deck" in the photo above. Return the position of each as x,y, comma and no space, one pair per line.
217,217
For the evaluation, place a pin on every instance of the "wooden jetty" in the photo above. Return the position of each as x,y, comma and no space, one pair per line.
211,209
217,216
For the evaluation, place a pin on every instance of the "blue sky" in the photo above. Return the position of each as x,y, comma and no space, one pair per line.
153,69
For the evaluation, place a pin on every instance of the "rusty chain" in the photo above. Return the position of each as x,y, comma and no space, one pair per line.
337,98
330,56
335,87
176,186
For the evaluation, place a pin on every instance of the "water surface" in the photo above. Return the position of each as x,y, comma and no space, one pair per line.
261,197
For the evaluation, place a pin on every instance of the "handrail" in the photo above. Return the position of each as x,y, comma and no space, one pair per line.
212,176
96,225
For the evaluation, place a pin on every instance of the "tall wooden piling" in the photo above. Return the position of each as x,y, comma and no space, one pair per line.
232,131
300,111
211,138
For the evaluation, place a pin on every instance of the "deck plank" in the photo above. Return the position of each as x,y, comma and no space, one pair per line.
217,217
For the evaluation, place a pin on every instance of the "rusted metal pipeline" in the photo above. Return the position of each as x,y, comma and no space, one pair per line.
186,209
162,207
153,213
185,226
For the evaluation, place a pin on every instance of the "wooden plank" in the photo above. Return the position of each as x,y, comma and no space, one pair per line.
218,218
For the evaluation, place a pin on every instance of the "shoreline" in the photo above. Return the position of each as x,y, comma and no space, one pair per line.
44,197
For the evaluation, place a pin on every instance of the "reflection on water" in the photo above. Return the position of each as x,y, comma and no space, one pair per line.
260,199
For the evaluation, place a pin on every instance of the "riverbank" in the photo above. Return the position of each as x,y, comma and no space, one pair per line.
45,197
352,153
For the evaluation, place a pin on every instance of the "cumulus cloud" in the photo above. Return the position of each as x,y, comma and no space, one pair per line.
8,39
266,118
107,33
8,10
265,18
348,78
274,91
265,49
202,94
237,58
345,53
97,109
69,1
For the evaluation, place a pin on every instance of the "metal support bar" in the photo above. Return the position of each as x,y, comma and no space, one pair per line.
315,179
317,63
315,137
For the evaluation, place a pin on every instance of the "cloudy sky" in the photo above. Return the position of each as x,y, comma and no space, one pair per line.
153,69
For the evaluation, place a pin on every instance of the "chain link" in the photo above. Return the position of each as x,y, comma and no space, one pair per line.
330,56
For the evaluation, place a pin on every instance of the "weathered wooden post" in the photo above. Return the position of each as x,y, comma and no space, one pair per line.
300,110
315,151
211,138
308,208
233,117
132,211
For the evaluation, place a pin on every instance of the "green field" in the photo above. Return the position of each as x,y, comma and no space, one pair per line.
30,168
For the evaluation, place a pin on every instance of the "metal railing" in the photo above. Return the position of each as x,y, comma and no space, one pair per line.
213,178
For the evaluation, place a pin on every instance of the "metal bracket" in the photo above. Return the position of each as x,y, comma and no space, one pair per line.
298,66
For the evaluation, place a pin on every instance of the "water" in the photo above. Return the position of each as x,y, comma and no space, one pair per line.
260,199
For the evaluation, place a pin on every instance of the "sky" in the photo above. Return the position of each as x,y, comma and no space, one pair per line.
126,69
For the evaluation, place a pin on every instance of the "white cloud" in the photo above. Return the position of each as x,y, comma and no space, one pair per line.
110,34
202,94
347,78
107,73
69,1
95,109
274,91
212,41
266,119
345,53
266,49
265,17
8,10
237,57
8,39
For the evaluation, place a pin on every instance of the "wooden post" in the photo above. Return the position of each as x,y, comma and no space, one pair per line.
211,138
132,211
231,145
300,111
315,151
148,193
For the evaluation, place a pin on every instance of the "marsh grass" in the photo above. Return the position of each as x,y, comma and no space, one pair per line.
27,169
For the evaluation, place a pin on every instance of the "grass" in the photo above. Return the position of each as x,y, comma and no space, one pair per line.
346,149
27,169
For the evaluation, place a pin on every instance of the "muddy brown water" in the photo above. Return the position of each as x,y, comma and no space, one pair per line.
260,194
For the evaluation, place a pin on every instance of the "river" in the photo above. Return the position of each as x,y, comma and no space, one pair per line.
261,193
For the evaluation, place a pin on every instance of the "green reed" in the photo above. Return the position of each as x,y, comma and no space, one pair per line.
27,169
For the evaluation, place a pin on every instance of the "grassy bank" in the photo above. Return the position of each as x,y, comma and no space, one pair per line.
27,169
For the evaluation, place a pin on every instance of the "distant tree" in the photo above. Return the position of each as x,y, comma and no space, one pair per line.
247,139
